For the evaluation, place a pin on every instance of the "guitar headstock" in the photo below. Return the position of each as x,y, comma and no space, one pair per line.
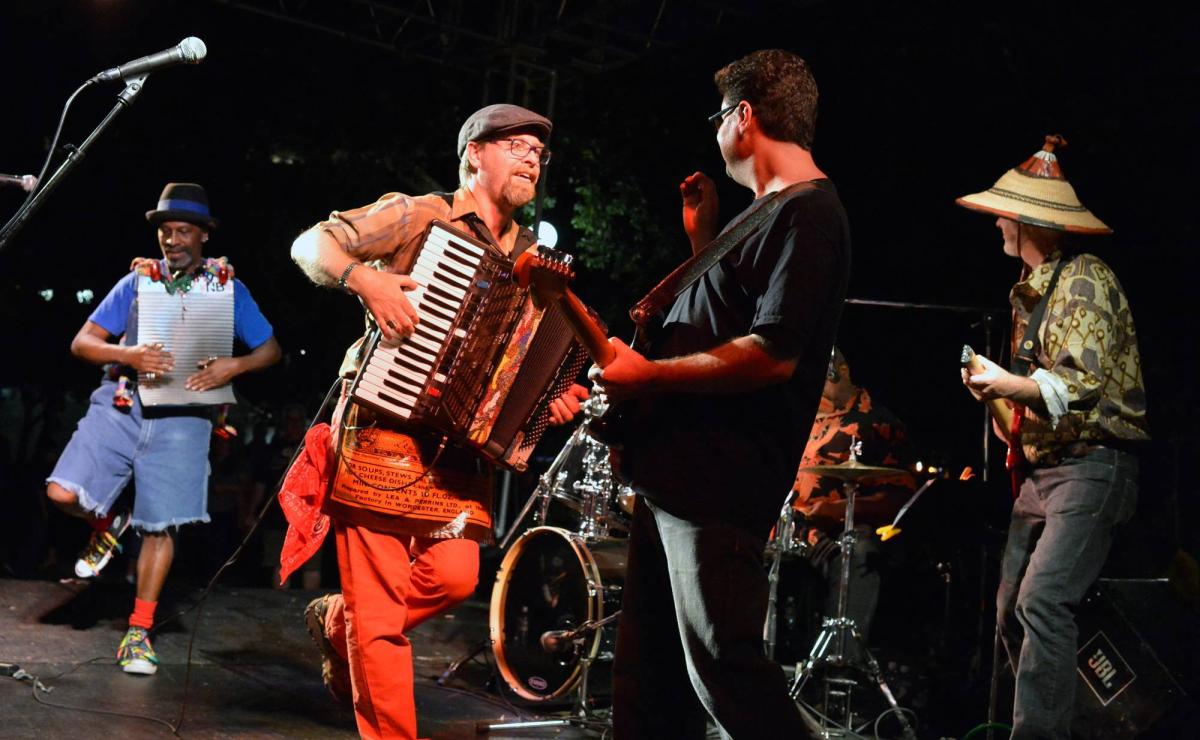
968,354
545,272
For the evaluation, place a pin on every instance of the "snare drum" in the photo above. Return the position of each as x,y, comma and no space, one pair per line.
551,580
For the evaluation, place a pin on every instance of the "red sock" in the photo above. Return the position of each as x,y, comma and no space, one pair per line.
101,524
143,613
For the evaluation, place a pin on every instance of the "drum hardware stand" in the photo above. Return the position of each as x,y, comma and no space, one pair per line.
541,494
480,647
829,648
582,714
784,531
550,480
553,477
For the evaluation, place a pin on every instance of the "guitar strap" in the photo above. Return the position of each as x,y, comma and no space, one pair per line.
690,271
1024,360
1025,355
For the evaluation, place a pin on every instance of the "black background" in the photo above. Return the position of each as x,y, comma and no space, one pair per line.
920,102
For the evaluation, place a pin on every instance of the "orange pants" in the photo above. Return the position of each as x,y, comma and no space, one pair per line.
390,584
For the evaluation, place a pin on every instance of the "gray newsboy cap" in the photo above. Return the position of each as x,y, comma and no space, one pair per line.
499,118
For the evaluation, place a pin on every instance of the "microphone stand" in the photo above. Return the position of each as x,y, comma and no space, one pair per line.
581,715
133,86
987,319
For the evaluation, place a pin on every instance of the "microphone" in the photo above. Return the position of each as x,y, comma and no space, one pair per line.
558,641
189,51
25,182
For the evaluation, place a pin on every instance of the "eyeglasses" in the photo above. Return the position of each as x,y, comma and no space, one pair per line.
718,118
519,149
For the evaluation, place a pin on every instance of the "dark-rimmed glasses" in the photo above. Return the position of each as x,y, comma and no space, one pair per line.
718,118
519,149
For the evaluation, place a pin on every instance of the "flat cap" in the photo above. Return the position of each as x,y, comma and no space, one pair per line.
500,118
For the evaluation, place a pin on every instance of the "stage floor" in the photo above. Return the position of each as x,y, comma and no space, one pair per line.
254,670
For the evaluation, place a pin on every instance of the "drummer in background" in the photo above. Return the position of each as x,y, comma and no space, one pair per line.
847,414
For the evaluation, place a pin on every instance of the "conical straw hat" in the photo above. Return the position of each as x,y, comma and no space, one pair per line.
1036,193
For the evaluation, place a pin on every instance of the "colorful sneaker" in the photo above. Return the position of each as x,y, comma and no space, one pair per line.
101,547
335,671
136,655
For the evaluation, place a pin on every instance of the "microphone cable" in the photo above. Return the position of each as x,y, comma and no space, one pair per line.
49,158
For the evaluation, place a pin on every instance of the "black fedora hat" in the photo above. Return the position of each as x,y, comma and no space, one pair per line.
183,201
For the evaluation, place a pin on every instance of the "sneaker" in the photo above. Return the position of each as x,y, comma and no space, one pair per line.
335,671
101,547
136,655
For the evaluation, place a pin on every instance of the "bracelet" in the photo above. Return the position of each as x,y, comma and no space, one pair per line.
345,274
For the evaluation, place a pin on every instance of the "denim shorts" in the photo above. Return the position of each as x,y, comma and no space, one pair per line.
165,454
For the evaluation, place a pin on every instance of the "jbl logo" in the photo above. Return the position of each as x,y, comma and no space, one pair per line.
1103,669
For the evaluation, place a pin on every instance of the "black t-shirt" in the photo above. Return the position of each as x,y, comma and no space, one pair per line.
734,456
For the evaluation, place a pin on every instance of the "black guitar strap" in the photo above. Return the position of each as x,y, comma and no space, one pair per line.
690,271
1025,357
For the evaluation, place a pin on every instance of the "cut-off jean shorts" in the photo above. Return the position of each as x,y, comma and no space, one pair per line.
164,450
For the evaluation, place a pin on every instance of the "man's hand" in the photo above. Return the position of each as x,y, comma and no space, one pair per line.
564,408
700,206
628,376
214,373
150,358
383,293
995,382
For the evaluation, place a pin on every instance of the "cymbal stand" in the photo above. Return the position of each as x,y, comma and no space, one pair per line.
829,649
582,714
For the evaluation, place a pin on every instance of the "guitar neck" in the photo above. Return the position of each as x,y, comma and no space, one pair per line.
546,275
1001,411
593,338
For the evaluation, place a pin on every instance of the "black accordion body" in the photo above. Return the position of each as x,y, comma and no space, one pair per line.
484,362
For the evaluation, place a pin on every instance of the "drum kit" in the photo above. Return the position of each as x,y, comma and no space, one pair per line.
552,620
831,648
557,594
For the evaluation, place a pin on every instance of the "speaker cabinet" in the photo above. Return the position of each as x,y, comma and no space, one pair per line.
1127,629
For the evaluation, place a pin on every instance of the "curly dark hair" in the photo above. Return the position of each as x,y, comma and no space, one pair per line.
780,87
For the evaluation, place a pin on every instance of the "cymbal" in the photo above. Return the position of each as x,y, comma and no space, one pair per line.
851,470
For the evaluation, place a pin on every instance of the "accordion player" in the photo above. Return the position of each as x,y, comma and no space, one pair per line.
475,378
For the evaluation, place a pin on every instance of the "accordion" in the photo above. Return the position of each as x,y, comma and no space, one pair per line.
484,362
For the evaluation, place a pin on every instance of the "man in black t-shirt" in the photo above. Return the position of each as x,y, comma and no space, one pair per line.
732,384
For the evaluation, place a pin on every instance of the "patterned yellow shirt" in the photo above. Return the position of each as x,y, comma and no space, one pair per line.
1090,371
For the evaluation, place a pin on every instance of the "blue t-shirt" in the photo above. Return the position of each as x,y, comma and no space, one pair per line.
115,313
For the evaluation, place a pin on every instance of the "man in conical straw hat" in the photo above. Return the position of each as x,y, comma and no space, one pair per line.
1076,383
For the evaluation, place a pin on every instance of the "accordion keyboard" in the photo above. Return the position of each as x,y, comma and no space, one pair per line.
398,378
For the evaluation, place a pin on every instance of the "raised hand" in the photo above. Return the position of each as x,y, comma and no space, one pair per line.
700,206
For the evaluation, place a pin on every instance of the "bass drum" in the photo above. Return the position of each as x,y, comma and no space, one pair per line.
551,580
